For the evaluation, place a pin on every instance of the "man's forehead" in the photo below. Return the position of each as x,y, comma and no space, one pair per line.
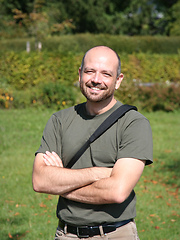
101,51
101,55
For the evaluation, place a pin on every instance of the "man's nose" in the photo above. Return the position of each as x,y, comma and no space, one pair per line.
97,78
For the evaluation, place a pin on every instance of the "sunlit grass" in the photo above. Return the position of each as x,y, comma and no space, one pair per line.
158,206
25,214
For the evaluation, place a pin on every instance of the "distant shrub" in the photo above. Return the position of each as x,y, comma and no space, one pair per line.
22,99
51,79
159,97
79,43
153,68
151,97
23,70
6,98
57,94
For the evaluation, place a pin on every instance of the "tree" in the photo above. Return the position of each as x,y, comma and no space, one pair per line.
175,24
35,22
131,17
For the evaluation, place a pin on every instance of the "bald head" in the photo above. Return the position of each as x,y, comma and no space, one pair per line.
106,51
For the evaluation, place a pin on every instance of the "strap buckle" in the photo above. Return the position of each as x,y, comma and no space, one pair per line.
83,232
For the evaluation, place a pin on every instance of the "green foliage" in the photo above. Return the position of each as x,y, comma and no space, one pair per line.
40,18
36,79
159,97
151,68
151,81
23,70
150,97
80,43
23,99
58,95
6,98
175,25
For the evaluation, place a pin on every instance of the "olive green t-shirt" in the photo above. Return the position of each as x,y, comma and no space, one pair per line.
130,137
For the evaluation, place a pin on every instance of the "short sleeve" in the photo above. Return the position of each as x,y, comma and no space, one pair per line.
51,139
136,140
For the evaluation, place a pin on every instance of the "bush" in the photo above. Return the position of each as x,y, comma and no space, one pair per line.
159,97
6,98
150,97
22,70
56,95
152,68
82,42
50,79
59,95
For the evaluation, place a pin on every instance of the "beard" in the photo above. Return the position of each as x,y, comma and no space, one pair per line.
102,94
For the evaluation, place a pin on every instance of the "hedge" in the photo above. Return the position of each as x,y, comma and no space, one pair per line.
82,42
151,81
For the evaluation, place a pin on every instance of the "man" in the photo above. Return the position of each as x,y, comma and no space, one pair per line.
97,200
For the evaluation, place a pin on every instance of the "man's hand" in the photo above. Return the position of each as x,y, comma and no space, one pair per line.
52,159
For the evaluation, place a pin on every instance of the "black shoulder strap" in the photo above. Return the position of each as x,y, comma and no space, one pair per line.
108,122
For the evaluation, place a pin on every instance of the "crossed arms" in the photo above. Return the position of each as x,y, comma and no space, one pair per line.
95,185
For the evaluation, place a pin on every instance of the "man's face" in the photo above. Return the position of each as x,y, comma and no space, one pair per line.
98,79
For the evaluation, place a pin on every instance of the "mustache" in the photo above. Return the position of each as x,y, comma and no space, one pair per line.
97,85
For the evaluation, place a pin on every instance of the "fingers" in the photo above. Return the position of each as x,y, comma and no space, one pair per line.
59,161
52,159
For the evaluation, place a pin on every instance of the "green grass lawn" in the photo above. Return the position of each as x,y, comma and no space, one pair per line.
27,215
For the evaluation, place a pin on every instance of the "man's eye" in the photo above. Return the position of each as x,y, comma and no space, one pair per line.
107,74
88,71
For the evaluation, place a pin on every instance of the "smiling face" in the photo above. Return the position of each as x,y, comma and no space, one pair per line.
98,78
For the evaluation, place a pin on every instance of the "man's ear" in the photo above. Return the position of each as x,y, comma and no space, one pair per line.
119,80
79,71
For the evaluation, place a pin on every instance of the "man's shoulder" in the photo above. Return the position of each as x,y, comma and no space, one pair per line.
68,114
132,116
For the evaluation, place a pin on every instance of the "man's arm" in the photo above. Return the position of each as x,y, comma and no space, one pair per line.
49,175
113,189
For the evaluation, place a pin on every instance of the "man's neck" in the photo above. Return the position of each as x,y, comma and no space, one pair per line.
96,108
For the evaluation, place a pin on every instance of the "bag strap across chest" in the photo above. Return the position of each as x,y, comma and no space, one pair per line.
106,124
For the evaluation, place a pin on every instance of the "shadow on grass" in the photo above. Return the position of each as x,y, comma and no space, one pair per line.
173,169
9,230
17,236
